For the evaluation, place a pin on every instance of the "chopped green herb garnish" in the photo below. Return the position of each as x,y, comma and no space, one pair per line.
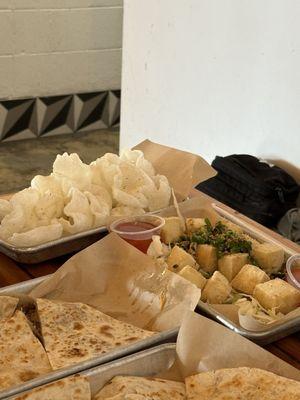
279,274
209,226
222,238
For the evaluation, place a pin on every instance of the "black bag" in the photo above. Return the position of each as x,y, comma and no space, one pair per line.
252,187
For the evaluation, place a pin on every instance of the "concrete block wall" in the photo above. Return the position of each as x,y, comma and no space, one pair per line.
57,47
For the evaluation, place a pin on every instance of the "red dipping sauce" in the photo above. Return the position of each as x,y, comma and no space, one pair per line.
138,231
296,273
293,271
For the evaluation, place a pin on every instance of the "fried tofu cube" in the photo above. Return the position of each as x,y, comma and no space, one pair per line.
248,277
217,289
229,265
268,256
233,227
192,275
179,258
253,241
194,224
206,256
172,230
278,294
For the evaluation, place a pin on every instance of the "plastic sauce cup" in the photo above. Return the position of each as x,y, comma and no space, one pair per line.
138,231
293,271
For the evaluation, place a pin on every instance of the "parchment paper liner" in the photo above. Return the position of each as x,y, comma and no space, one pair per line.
204,345
121,281
184,170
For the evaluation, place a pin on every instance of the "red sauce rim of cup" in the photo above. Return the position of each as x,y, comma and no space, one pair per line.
144,218
289,271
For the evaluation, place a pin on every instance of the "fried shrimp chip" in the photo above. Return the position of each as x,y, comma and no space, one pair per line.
13,222
99,208
5,208
77,197
159,196
77,213
71,172
37,236
128,186
103,193
22,215
134,188
30,210
136,157
123,211
104,170
50,206
45,184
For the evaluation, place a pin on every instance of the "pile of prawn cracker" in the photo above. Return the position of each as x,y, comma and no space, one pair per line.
77,197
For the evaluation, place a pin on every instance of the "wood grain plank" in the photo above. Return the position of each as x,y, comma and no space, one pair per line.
10,272
46,268
6,196
290,345
277,351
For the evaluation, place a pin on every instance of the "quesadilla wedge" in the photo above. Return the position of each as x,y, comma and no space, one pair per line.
74,388
134,387
241,384
22,356
8,306
74,332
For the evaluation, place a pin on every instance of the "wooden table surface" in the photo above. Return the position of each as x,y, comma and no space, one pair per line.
287,349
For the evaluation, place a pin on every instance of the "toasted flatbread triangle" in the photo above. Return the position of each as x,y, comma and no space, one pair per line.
241,384
141,388
8,306
73,388
74,332
22,357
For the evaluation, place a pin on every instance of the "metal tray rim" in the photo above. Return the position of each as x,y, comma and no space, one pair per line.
62,240
48,245
99,369
25,287
262,337
108,358
21,254
124,360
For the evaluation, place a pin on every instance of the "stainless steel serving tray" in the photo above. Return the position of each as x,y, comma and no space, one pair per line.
146,363
55,248
46,251
26,287
270,334
76,242
264,337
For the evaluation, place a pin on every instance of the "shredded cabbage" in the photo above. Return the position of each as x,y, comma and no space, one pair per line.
248,305
158,251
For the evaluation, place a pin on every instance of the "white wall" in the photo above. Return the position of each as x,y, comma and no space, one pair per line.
213,77
59,46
